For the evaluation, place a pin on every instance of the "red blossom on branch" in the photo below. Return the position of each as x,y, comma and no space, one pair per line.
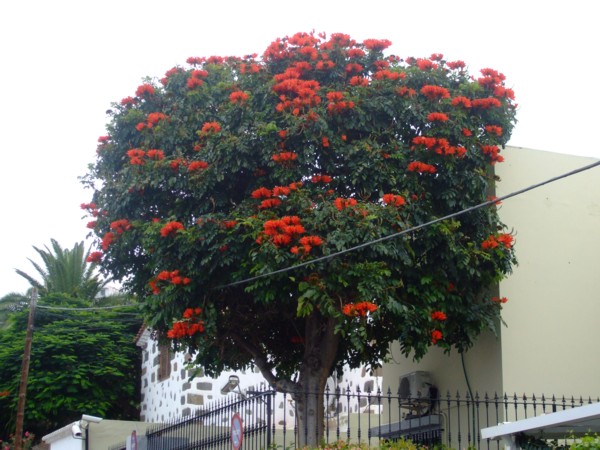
155,154
377,44
284,157
360,309
120,226
196,166
94,257
171,228
438,315
437,116
238,97
393,199
420,167
343,203
145,90
435,92
210,128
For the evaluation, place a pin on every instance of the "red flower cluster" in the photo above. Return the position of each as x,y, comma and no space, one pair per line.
94,257
456,65
196,166
493,129
284,157
377,44
128,101
189,326
435,92
171,228
486,103
462,101
385,74
196,78
436,335
151,120
136,156
145,90
176,163
261,192
420,167
155,154
337,104
441,146
494,241
437,116
281,191
295,95
269,203
493,152
491,78
210,127
393,199
321,179
88,206
426,64
357,80
343,203
238,97
438,315
107,240
360,309
195,60
169,73
120,226
499,299
166,276
406,92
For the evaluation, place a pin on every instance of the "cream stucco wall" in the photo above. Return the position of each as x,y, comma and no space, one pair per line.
550,344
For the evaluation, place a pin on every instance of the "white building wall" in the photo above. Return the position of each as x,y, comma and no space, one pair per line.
178,396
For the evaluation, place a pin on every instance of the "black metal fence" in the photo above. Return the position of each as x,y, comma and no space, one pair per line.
269,419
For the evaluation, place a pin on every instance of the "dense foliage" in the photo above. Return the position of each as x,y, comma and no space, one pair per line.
229,169
81,362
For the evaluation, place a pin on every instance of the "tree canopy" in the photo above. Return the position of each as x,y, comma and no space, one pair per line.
215,178
82,360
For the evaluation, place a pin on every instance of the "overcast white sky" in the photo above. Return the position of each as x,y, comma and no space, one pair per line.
63,62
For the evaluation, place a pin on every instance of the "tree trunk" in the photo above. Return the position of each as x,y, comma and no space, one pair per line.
321,348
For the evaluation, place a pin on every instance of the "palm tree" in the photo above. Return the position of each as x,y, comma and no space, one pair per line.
65,271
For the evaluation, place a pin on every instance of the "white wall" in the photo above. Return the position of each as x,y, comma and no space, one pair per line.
178,396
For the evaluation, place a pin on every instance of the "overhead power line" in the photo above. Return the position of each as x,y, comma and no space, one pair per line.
92,308
410,230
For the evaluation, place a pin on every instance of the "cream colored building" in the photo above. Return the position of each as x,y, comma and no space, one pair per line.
550,344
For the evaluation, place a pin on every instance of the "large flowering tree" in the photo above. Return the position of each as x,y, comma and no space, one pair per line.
227,170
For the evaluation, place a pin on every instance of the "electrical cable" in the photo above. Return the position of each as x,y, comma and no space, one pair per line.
411,229
93,308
